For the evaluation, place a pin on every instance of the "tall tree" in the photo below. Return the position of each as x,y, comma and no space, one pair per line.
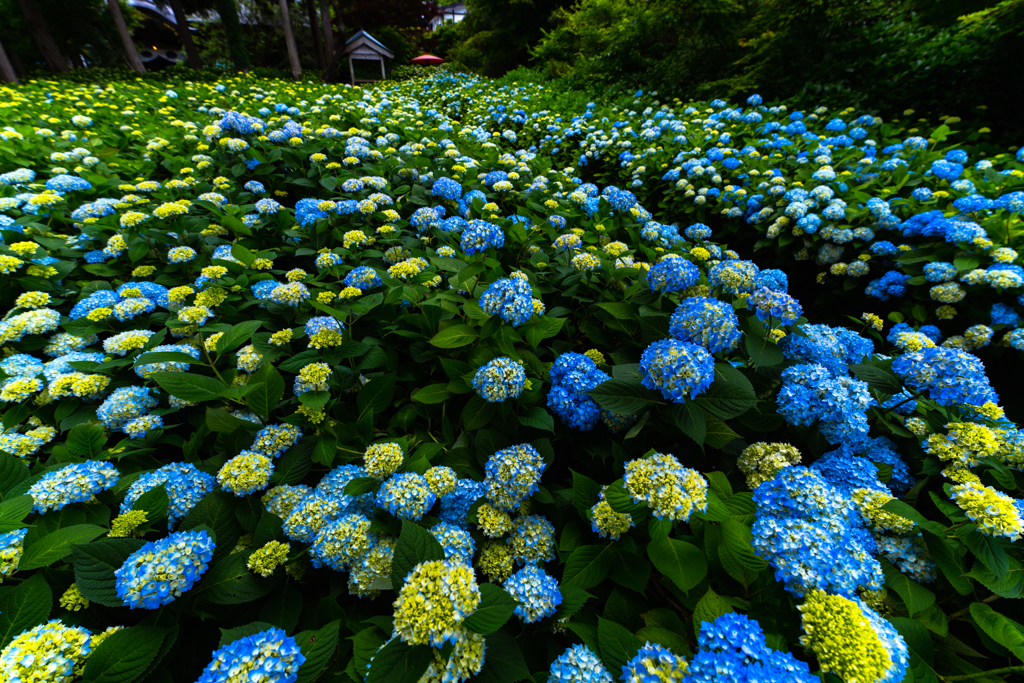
314,29
185,33
44,39
6,70
329,56
233,33
289,40
131,54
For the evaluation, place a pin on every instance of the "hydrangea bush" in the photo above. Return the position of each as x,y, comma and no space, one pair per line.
912,216
304,383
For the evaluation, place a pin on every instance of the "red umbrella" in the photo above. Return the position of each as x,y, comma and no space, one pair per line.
427,60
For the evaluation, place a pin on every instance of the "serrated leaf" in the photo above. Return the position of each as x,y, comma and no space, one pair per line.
738,540
95,563
730,395
238,335
987,549
399,662
690,420
216,510
13,471
124,655
86,440
266,397
317,646
477,413
57,545
415,545
949,561
495,608
627,397
154,503
283,608
584,493
228,581
999,628
220,420
573,599
189,386
878,379
682,562
709,607
23,606
375,396
587,566
915,596
13,511
618,645
432,393
454,337
538,418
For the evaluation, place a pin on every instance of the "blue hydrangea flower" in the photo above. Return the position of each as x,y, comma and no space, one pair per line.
406,496
341,542
446,188
499,380
733,648
185,486
705,321
480,236
512,475
536,592
455,505
161,571
123,405
677,368
579,664
269,656
811,533
778,305
950,376
672,275
72,484
810,394
511,298
456,542
835,348
363,277
572,375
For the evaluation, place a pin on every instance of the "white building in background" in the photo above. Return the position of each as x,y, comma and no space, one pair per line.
453,12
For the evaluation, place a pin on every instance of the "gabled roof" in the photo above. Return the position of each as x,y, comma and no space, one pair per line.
365,40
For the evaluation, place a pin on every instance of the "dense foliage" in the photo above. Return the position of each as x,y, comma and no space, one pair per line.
939,56
316,383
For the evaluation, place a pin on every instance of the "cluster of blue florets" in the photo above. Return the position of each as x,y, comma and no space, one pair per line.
733,648
708,322
808,530
480,236
270,656
950,376
161,571
672,274
572,375
677,369
810,393
511,298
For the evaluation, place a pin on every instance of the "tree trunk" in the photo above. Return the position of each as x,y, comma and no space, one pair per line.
329,57
233,33
314,29
131,54
185,33
289,40
6,70
44,39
